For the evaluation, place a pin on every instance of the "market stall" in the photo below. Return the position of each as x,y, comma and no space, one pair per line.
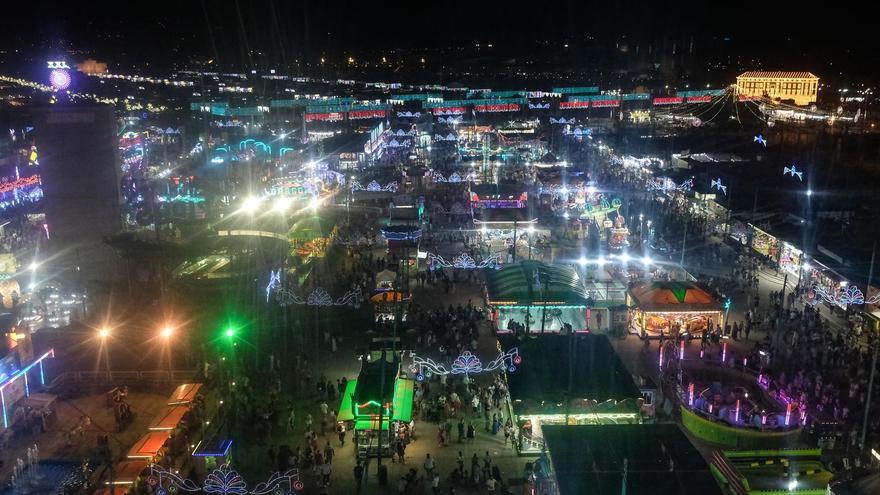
389,303
533,297
670,308
601,391
361,402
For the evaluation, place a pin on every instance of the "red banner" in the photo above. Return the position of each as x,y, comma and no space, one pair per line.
327,117
449,111
502,107
747,98
563,105
699,99
366,114
23,182
671,100
605,103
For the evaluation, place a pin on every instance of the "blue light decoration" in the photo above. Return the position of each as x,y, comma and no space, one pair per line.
727,303
760,140
465,364
181,198
408,234
224,481
374,186
221,451
716,184
794,172
23,373
463,261
318,298
274,282
284,151
452,179
844,297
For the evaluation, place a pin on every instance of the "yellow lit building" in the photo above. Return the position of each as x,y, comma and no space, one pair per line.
798,86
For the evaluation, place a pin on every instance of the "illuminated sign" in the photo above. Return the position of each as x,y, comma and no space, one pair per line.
325,117
699,99
605,103
565,105
671,100
449,111
366,114
503,107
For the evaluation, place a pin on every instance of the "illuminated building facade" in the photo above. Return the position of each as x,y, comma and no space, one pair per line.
798,86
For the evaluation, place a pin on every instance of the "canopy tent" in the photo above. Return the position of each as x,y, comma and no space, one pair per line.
537,297
401,406
149,445
672,296
533,282
184,394
670,307
168,418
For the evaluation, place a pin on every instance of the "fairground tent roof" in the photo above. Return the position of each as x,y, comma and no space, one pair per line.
528,282
672,297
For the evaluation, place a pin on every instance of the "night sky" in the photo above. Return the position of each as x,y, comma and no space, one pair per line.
279,30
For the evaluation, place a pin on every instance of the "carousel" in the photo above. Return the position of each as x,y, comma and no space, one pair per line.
672,308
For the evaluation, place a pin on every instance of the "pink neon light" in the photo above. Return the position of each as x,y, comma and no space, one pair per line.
681,350
605,103
736,415
691,394
699,99
724,353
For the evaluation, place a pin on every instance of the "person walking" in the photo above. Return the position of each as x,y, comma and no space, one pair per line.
340,431
429,466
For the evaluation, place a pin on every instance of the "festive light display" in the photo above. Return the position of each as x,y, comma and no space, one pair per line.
561,120
366,114
324,116
498,107
539,106
397,235
318,297
567,105
274,282
794,172
59,79
605,103
760,140
844,297
409,115
464,261
223,481
465,364
374,186
33,180
449,111
716,184
453,179
666,184
671,100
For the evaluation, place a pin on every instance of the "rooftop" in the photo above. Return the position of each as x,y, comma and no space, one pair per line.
659,459
779,74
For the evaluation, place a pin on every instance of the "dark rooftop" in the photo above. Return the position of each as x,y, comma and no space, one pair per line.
659,458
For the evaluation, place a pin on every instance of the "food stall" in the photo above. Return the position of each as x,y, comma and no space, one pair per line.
764,243
669,307
523,294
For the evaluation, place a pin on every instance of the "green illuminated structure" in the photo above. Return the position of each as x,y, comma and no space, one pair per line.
373,402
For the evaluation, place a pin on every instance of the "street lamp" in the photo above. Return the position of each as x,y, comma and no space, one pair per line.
166,332
104,332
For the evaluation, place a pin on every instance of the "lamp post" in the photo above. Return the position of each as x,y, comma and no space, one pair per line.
166,333
103,334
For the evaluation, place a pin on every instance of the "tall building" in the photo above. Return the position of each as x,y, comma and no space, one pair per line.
80,176
798,86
